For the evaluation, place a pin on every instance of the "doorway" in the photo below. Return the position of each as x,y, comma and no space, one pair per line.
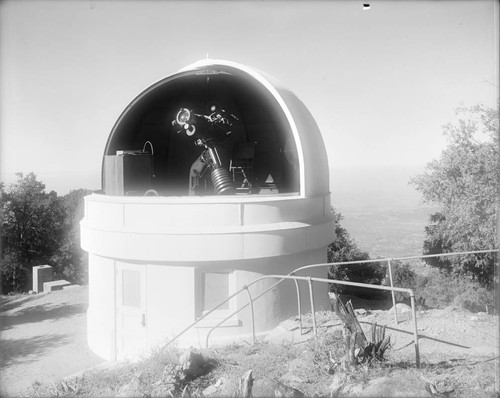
131,310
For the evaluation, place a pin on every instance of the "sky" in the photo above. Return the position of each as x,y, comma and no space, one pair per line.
380,82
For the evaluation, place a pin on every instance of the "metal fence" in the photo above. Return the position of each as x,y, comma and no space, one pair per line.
292,276
389,266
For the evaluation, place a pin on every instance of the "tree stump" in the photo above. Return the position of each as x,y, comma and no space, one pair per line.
358,348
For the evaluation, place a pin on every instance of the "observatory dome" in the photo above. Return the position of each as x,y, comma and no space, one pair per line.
211,178
274,132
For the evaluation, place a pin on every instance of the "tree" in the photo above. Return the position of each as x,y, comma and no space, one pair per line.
344,249
70,260
32,227
464,181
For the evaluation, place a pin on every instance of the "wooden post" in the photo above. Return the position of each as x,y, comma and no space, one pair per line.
347,315
353,333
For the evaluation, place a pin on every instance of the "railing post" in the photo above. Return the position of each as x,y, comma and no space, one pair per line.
313,311
299,308
251,312
392,293
415,329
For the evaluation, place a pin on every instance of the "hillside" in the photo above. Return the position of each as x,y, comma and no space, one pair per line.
458,351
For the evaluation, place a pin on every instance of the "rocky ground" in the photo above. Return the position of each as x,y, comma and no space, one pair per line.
458,354
43,340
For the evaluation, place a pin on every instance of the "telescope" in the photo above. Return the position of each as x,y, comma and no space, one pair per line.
209,131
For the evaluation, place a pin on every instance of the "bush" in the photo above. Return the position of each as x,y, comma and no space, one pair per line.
39,228
13,273
371,273
344,249
465,183
31,229
475,298
439,289
402,276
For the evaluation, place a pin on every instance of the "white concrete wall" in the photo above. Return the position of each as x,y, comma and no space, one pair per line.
173,237
101,332
170,299
171,295
176,229
282,303
277,305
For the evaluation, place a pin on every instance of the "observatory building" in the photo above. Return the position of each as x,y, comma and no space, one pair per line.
211,178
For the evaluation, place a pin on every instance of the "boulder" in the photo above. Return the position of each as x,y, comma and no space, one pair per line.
397,386
214,389
402,308
194,364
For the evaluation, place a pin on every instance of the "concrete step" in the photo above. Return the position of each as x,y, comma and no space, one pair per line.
54,285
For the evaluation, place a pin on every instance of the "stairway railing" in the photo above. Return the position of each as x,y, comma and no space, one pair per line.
310,280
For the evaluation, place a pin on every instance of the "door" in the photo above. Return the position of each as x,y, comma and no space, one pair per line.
131,321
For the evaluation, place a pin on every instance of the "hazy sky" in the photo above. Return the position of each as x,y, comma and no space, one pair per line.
379,82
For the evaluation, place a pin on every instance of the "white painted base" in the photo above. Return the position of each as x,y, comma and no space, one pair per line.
139,302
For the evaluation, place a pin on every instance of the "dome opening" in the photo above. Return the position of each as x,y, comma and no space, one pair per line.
146,153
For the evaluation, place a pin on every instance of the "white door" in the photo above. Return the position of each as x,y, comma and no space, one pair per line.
131,321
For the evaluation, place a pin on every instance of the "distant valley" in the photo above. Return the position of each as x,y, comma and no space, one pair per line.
381,211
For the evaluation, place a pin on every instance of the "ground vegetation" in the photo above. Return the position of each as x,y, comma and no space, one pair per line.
464,183
38,228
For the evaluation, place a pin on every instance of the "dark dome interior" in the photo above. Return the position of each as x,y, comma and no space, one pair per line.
261,141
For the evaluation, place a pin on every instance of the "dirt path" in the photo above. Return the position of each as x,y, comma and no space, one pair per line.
43,337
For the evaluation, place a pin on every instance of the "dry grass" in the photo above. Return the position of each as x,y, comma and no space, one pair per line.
141,376
308,367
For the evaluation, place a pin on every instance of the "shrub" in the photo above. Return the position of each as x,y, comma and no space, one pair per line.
344,249
465,183
439,289
475,298
371,273
402,276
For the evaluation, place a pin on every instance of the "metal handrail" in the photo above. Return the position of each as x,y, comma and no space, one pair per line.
389,260
206,314
379,260
292,275
309,279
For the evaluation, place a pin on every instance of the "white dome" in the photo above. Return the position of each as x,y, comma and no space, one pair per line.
288,143
157,263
